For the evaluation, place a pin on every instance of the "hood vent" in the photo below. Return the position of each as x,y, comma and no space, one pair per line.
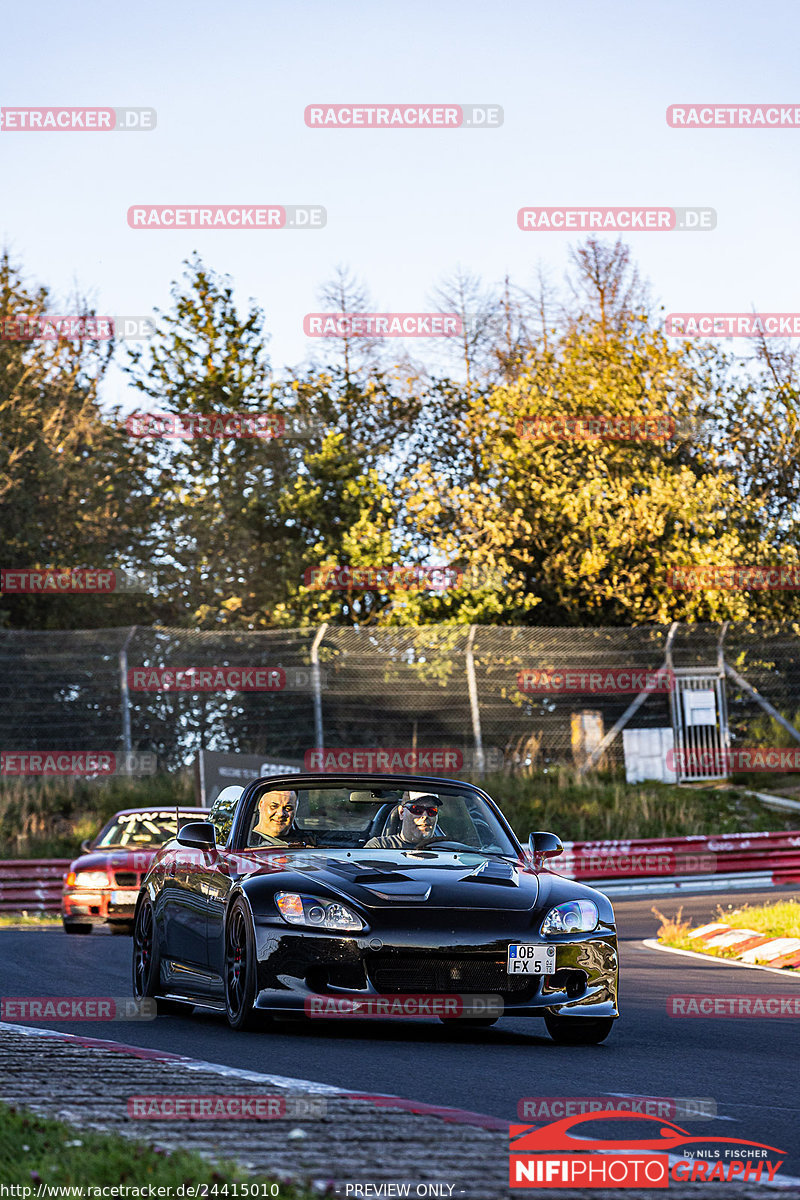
410,890
492,870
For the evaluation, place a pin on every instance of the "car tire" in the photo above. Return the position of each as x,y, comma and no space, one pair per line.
578,1031
73,927
119,928
146,964
240,969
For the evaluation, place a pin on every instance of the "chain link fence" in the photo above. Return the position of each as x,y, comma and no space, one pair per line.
453,686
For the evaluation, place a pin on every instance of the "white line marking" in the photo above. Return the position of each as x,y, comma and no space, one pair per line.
784,973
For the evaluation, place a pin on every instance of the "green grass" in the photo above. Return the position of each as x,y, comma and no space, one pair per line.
32,920
602,805
50,818
779,919
36,1150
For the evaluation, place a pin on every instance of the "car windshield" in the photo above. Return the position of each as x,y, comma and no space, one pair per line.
141,829
351,816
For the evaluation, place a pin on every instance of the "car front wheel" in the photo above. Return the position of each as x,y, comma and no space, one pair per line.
578,1031
240,969
73,927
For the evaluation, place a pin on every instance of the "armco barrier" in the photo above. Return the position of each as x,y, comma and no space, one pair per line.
776,855
35,885
32,884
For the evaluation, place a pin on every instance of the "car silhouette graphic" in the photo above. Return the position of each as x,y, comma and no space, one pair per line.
558,1136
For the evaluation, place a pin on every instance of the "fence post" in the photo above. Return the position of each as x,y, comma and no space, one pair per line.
124,695
317,683
473,704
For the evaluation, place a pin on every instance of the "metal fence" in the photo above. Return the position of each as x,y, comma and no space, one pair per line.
452,686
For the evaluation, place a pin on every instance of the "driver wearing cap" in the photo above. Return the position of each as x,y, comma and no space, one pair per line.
418,814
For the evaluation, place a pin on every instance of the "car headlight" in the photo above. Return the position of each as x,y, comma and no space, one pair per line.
576,916
89,879
310,910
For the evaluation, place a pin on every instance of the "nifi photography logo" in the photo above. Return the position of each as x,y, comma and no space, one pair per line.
657,1154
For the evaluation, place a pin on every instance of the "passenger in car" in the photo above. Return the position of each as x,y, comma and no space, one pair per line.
418,814
276,813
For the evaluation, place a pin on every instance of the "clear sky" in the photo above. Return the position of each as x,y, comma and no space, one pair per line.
584,86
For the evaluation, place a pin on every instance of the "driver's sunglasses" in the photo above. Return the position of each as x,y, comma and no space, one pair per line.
430,810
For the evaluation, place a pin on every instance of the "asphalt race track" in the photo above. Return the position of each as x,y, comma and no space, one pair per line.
747,1065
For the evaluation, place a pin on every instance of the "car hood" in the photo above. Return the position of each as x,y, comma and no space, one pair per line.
116,860
439,879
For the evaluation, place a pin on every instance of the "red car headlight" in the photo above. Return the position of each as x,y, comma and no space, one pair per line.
88,879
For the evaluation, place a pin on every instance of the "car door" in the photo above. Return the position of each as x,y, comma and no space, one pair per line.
185,905
231,865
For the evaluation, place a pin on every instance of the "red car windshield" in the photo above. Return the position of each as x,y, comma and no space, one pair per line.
140,829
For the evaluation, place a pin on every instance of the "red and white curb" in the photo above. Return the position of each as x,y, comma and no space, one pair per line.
748,945
454,1116
780,1182
715,960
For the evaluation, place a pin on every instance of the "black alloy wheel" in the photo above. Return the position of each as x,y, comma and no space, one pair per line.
240,969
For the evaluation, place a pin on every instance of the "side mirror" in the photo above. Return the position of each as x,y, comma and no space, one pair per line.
543,845
86,845
201,835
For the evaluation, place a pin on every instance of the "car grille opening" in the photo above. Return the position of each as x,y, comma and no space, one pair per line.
445,976
126,878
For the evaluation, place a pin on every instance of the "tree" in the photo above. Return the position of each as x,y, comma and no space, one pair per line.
69,495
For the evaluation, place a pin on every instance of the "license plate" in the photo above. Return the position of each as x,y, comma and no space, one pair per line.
125,896
528,958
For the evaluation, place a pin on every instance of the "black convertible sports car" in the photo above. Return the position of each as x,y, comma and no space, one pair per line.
463,922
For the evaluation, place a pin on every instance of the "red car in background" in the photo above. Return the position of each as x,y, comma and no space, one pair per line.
102,886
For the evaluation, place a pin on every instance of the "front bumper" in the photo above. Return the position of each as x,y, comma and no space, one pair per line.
84,906
293,966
